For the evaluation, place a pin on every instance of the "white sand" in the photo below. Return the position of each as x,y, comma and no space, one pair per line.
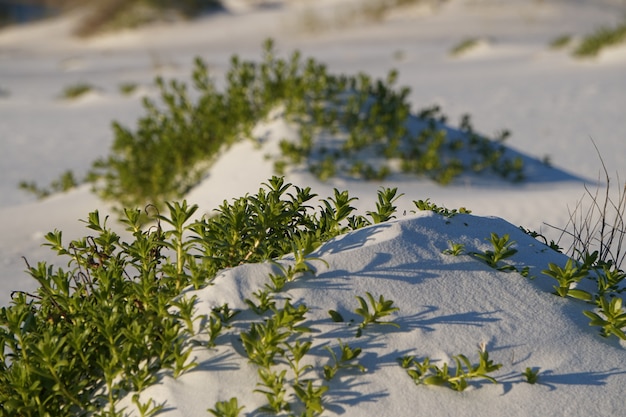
552,103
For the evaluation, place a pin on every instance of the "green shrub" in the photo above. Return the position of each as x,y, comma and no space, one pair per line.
464,46
107,15
592,44
65,182
560,42
76,90
115,318
177,140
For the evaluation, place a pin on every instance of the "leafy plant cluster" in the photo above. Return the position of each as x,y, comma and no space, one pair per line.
603,37
280,344
108,15
77,90
426,373
114,321
464,46
369,122
65,182
593,43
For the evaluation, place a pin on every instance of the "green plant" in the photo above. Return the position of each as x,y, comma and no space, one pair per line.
297,352
379,309
464,46
560,42
531,375
384,207
612,318
455,249
273,384
228,408
265,299
311,396
75,91
115,318
426,373
502,249
570,274
344,361
609,279
85,323
427,205
65,182
593,43
128,88
111,15
262,342
177,140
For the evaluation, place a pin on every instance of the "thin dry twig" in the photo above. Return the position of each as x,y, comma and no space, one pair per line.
599,226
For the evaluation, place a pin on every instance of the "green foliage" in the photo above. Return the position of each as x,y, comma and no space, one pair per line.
127,88
111,15
344,361
560,42
75,91
531,375
311,396
426,373
570,274
384,207
115,318
273,384
65,182
612,317
502,249
603,37
228,408
464,46
85,324
177,140
455,249
427,205
379,308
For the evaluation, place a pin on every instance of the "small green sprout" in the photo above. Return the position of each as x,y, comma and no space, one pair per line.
614,320
311,397
335,316
273,384
560,42
566,277
76,90
380,308
502,249
297,351
265,299
384,207
345,361
427,373
427,205
127,88
228,408
531,375
464,46
454,249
